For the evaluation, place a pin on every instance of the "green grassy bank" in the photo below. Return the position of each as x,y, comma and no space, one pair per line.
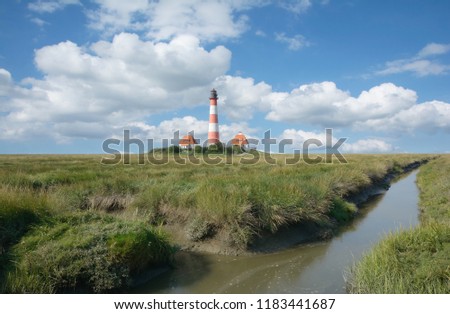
84,252
46,248
417,260
70,222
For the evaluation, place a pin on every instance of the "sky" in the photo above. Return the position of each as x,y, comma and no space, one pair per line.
74,73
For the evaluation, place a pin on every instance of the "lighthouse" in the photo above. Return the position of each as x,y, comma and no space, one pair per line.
213,130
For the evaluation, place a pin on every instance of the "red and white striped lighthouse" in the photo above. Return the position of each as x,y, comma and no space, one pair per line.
213,131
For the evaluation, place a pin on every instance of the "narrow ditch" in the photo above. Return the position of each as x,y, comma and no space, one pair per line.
317,267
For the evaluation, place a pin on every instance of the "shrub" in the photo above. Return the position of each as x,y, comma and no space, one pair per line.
174,149
216,148
198,149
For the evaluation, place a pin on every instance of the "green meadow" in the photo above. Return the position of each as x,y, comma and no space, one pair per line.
415,260
71,223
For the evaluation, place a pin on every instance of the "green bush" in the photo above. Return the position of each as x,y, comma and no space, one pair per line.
236,149
216,148
174,149
198,149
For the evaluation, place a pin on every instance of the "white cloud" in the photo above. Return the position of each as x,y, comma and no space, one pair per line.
96,90
240,97
370,145
383,108
295,6
299,6
8,91
298,137
164,20
93,91
326,105
39,22
294,43
430,117
208,20
161,20
108,85
260,33
308,103
5,82
228,131
433,49
164,130
381,101
129,61
114,16
50,6
65,131
421,64
418,67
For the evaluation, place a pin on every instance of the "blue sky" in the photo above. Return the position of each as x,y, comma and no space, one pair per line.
74,73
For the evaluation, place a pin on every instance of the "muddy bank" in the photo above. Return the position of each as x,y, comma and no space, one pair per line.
381,185
286,236
308,232
317,267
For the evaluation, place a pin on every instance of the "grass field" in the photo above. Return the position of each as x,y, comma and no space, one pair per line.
416,260
71,222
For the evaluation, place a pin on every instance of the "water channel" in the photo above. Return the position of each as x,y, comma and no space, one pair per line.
309,268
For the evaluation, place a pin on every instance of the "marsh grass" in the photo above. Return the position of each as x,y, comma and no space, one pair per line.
84,252
254,197
412,261
20,209
416,260
71,222
434,184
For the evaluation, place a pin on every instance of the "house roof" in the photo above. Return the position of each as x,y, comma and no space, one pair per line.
239,139
188,140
